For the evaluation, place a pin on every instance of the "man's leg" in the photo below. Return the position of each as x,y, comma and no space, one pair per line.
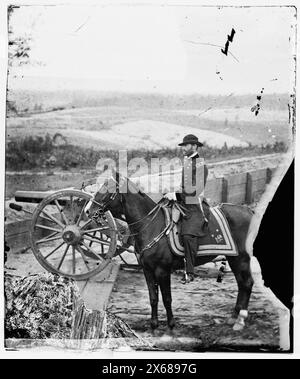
190,244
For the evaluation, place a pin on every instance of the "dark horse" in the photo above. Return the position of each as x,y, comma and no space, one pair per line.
156,259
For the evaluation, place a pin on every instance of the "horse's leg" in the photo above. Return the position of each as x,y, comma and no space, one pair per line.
163,277
240,266
153,295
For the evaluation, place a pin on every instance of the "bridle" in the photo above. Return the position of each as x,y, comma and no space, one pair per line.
98,214
104,205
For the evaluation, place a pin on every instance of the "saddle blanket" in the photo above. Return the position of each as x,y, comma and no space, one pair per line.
218,240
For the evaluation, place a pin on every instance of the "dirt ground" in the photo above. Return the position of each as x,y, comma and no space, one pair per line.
201,309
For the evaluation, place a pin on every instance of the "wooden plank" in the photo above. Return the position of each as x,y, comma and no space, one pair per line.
97,290
248,193
237,188
269,174
16,227
224,193
213,190
17,234
238,179
236,194
259,174
237,199
260,179
259,184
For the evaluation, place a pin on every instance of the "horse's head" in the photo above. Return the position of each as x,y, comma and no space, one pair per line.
108,197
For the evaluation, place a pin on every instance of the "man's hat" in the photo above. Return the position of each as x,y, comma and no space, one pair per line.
190,138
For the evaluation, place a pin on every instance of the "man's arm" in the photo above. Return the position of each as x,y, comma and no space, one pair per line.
205,174
180,196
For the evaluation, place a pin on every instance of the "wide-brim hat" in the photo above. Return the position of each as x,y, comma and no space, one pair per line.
190,138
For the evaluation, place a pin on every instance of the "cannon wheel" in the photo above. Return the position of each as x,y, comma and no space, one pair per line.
66,242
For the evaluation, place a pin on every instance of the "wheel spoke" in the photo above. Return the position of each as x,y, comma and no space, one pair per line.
89,249
100,239
47,228
52,218
63,257
45,218
86,224
102,247
63,216
53,251
81,212
96,229
96,240
73,259
50,235
103,242
49,239
91,242
82,256
72,206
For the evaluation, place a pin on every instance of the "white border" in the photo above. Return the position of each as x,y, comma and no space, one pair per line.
137,355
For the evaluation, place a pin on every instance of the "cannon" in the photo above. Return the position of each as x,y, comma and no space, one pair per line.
64,240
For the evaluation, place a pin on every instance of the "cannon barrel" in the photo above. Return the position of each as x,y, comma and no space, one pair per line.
31,196
35,196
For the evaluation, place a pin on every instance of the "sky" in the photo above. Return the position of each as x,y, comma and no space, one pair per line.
166,49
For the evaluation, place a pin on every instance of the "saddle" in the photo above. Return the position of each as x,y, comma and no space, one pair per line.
217,239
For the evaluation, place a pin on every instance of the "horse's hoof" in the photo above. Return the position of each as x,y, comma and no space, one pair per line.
240,322
171,324
238,326
154,324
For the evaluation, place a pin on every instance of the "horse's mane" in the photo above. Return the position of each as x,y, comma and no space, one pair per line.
138,190
130,183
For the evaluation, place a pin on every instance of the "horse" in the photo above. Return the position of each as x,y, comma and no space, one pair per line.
146,221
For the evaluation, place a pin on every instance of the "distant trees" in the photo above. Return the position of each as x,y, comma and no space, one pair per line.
31,152
18,46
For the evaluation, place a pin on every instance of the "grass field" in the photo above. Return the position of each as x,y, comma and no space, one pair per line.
110,127
85,126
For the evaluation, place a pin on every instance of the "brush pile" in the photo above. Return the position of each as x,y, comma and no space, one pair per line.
39,306
47,306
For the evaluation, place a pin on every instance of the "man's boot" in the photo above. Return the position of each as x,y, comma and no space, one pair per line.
187,278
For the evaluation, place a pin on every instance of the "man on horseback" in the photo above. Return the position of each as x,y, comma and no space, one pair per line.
195,220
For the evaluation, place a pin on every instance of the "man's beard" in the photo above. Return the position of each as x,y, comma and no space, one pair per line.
188,153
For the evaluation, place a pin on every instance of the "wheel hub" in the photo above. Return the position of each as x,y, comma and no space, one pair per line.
71,235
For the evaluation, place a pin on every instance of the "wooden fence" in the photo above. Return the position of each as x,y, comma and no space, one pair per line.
244,188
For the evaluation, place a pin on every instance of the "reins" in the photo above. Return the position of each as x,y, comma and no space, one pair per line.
156,239
155,211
